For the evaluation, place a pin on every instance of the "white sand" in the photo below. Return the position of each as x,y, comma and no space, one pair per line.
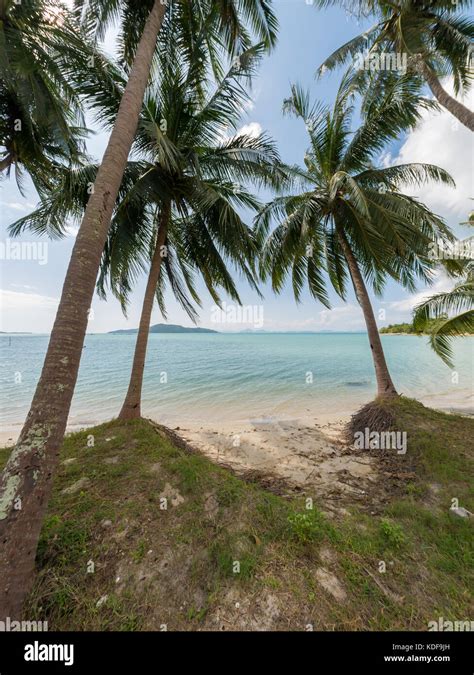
305,452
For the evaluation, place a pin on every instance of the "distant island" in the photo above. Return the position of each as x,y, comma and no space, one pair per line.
164,328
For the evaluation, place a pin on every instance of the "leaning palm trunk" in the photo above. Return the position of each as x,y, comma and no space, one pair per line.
385,386
6,163
131,408
460,111
26,482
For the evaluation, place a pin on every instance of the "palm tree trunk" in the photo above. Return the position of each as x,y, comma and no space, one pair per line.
385,386
460,111
131,408
5,163
25,485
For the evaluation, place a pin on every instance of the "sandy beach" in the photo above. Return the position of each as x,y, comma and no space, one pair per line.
304,453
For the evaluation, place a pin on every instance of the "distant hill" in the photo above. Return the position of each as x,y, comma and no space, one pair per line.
164,328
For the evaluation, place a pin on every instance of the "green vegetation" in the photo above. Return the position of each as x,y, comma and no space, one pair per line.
148,534
449,315
42,61
351,220
111,557
408,328
398,328
432,39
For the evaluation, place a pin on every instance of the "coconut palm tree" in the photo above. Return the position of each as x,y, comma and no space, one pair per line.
31,145
33,462
196,183
40,109
433,36
351,219
178,209
453,312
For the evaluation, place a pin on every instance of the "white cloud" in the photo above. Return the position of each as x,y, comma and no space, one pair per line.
253,129
26,312
399,311
440,139
249,105
25,286
441,284
18,206
71,230
24,301
347,317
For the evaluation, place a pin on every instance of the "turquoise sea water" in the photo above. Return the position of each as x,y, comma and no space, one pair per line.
225,377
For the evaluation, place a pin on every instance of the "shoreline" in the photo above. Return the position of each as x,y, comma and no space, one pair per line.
302,451
9,435
331,421
305,452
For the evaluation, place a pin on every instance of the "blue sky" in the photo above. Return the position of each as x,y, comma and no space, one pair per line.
30,291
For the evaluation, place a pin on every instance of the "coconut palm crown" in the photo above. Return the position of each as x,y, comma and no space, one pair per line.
190,155
185,197
39,109
434,39
45,59
230,26
453,311
351,219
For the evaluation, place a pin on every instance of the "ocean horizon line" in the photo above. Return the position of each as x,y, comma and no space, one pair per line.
122,332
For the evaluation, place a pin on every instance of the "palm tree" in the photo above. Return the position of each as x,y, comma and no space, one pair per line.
352,220
453,313
193,183
433,36
40,110
33,462
178,209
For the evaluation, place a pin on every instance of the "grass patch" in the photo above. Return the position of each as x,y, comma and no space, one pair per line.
226,554
308,527
392,533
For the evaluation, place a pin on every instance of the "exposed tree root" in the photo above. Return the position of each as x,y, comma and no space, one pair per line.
376,416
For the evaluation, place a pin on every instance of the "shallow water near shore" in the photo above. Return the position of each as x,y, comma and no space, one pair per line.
217,380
